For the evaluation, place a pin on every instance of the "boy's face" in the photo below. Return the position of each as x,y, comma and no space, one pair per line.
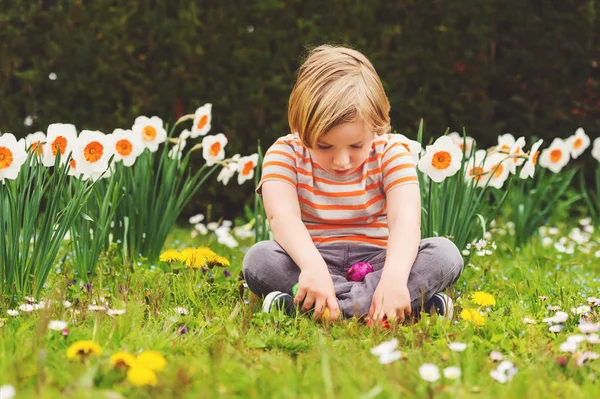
343,148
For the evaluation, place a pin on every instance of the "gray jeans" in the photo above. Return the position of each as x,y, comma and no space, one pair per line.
267,267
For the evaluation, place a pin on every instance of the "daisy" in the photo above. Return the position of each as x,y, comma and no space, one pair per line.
496,356
596,149
115,312
460,141
12,156
12,312
196,218
568,346
441,160
35,142
246,167
181,311
412,146
127,146
556,156
57,325
202,121
387,351
60,140
529,168
151,131
26,307
457,346
429,372
201,228
213,148
451,373
92,152
578,143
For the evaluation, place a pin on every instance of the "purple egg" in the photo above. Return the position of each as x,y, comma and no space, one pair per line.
358,271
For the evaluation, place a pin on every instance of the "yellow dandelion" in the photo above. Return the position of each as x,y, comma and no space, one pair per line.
140,376
196,257
122,359
473,316
171,255
217,260
151,360
82,349
483,299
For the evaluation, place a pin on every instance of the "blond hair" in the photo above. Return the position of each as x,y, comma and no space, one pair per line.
336,85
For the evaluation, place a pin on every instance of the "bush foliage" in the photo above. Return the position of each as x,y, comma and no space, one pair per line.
530,68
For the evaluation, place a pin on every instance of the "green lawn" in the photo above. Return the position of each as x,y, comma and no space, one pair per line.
231,349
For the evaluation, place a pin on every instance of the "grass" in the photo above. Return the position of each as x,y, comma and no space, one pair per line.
231,349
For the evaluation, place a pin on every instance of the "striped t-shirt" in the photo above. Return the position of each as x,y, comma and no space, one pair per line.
342,210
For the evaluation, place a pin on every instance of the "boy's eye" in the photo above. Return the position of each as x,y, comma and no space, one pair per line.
358,147
323,147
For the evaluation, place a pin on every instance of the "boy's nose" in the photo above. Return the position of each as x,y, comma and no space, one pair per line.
341,160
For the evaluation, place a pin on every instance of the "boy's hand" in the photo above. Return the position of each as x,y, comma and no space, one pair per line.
390,300
315,287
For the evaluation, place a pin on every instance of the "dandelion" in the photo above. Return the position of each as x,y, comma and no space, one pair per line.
152,360
127,146
140,376
217,261
151,131
57,325
60,140
213,148
451,373
457,346
170,256
196,257
202,121
578,143
81,349
429,372
122,360
246,166
441,160
556,156
473,316
483,299
12,156
12,312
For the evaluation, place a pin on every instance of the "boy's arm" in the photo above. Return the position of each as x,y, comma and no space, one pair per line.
283,212
391,297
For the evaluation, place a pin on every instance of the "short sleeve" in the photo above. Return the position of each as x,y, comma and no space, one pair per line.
397,165
279,163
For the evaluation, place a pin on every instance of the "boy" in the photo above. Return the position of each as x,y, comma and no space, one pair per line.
341,190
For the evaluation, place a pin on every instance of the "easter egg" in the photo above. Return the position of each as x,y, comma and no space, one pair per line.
295,290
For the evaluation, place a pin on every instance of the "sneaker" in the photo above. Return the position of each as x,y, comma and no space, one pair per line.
442,304
278,300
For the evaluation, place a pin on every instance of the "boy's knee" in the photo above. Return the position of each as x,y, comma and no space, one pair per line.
449,256
256,256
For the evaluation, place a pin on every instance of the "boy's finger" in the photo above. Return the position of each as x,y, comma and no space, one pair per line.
334,309
309,301
300,295
319,307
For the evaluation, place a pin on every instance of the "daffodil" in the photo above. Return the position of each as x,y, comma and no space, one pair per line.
505,142
213,148
483,299
122,359
170,256
246,166
151,131
442,159
528,169
140,376
460,141
34,142
556,156
202,121
81,349
473,316
91,153
475,168
12,156
596,149
127,146
578,143
60,140
496,169
228,170
151,360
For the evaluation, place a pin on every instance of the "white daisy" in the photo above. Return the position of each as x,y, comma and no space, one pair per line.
57,325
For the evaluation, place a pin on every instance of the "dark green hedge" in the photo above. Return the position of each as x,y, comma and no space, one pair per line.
527,67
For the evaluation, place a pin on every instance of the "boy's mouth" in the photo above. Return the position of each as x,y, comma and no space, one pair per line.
341,172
